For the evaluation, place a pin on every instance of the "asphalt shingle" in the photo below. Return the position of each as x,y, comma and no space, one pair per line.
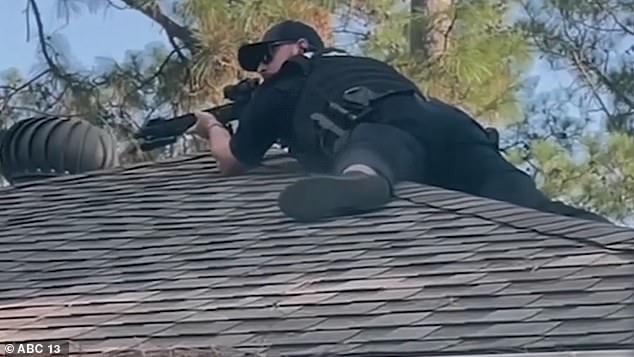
160,255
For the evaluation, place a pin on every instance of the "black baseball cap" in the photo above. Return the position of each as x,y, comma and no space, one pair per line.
250,55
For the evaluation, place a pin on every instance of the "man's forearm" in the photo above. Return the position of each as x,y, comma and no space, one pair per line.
219,139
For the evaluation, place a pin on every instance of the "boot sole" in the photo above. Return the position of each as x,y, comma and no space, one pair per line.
319,197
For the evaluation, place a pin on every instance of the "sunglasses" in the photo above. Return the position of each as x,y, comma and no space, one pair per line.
271,50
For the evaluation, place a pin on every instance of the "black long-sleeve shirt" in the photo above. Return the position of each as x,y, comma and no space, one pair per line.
266,119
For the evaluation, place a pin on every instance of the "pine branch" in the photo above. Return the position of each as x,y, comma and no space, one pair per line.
583,63
70,79
7,98
577,62
157,73
614,18
40,30
153,11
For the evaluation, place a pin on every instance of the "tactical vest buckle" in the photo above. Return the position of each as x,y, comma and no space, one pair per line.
340,119
326,123
330,136
360,96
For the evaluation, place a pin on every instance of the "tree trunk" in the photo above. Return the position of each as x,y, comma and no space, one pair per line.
432,21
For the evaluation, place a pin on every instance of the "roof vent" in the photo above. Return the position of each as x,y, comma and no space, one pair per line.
42,147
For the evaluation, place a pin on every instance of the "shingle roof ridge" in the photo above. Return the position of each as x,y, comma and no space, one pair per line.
610,237
113,170
616,239
271,156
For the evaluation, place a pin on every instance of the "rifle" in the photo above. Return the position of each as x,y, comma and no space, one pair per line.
159,131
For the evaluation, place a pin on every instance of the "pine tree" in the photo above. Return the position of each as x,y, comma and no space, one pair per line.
578,140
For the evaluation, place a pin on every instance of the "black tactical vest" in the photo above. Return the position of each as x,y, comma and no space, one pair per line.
327,77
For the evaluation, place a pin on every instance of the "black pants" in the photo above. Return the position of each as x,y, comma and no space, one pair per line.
409,139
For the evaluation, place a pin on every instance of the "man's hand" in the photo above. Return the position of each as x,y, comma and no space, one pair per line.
204,122
208,127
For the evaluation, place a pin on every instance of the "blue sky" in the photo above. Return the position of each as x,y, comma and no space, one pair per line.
101,34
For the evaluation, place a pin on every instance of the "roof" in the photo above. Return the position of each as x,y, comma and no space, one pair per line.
159,255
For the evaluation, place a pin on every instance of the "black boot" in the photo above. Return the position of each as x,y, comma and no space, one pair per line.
319,197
